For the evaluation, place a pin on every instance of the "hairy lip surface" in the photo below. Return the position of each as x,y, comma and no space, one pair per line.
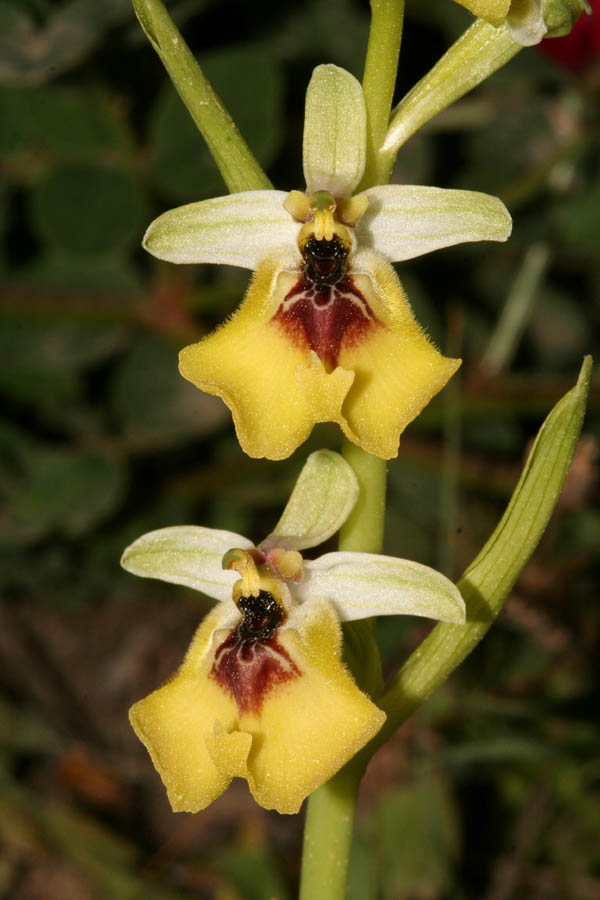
249,669
325,318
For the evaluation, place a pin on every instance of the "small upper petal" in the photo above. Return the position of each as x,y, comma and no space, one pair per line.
186,554
404,221
322,499
335,132
360,585
237,230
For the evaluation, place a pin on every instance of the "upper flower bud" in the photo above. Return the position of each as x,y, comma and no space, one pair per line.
529,21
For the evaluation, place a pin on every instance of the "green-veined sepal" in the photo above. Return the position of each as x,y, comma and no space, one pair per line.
335,129
186,554
360,585
236,230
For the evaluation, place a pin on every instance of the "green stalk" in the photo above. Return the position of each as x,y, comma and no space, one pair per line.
379,81
489,579
473,57
235,160
330,811
328,835
363,529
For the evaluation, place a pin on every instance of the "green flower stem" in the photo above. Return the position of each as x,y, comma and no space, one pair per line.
476,54
363,529
330,810
235,160
328,836
489,579
379,80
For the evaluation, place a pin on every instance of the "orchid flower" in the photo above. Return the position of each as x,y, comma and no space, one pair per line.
529,21
262,692
326,332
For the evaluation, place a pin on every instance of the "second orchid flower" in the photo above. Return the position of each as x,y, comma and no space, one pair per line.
326,332
263,692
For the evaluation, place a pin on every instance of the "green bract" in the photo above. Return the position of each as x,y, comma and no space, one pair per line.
529,21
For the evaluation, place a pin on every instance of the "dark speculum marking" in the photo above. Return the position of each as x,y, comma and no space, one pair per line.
325,310
251,662
324,261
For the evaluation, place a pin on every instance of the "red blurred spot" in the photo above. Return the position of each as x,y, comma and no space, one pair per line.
579,48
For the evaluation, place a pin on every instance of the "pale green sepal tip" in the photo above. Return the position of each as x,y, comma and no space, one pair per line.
405,221
236,230
186,554
321,501
361,585
497,567
335,132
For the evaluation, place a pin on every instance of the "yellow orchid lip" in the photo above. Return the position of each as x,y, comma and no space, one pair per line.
340,345
262,698
324,310
251,662
263,692
325,332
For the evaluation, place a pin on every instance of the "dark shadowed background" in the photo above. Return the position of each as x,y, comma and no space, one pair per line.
492,790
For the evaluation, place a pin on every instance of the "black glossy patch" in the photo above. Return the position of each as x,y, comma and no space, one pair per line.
324,261
251,662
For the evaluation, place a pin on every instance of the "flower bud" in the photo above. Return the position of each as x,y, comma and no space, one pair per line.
530,21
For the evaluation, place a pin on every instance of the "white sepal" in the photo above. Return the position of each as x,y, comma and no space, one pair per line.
186,554
360,585
404,221
237,230
335,132
320,503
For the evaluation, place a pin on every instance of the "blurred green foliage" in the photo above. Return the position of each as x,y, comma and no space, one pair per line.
491,791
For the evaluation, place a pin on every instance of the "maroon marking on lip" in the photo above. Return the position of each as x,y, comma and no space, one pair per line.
251,662
325,318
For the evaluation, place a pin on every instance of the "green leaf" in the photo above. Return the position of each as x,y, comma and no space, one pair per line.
414,834
154,406
41,359
255,875
50,490
249,84
101,276
88,211
50,124
489,579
